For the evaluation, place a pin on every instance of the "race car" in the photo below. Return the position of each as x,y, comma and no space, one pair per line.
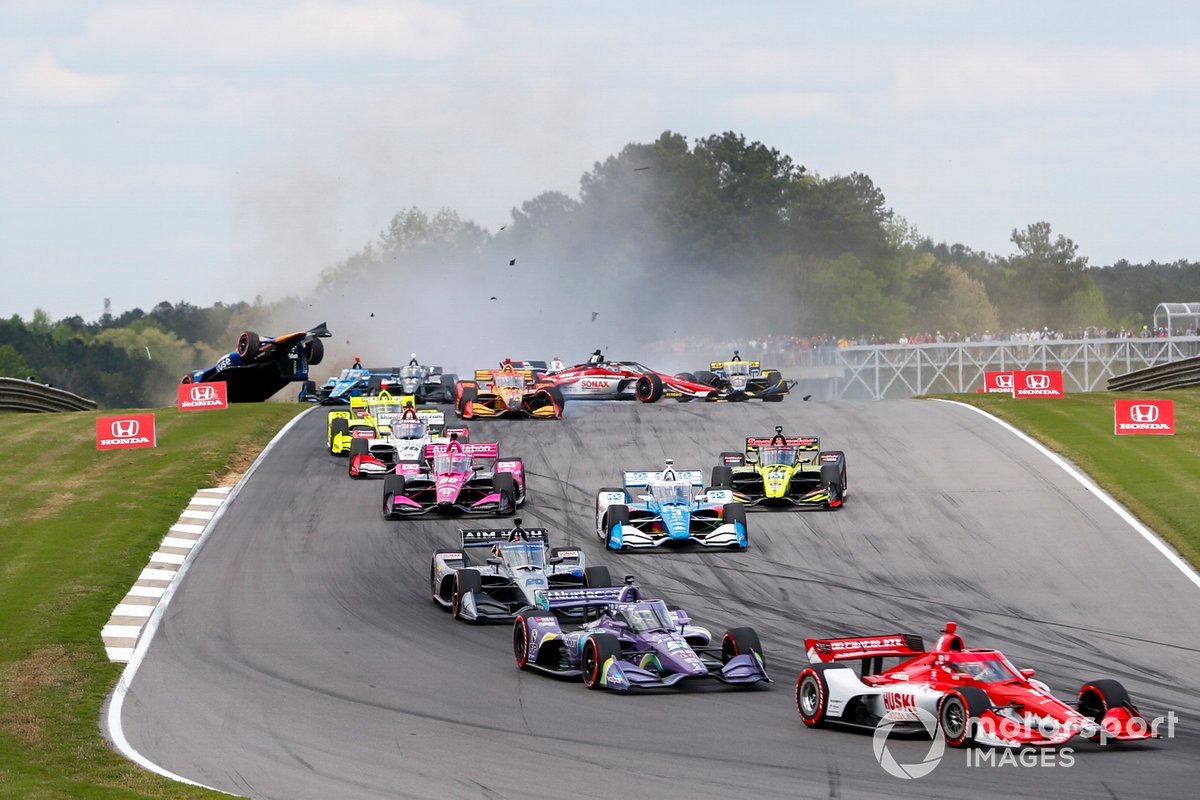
517,565
784,472
635,643
397,440
602,379
972,695
456,478
424,383
671,512
367,417
508,392
351,382
262,365
737,380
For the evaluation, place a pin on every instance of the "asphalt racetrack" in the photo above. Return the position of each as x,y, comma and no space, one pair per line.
302,657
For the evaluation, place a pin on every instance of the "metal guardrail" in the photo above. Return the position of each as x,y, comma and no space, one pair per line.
1175,375
17,394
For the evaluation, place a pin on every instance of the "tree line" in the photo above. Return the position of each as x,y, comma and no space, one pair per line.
720,233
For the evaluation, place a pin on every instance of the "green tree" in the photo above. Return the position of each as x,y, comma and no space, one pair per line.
12,364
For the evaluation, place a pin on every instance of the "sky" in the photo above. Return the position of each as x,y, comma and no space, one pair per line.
215,151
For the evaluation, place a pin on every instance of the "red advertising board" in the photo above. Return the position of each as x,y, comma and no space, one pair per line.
200,396
997,382
125,433
1154,417
1038,383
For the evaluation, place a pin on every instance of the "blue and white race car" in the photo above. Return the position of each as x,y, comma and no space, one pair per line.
668,507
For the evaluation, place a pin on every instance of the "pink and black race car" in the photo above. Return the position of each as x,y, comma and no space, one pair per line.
455,478
601,379
972,695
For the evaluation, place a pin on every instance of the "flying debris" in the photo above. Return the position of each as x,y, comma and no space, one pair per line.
806,397
493,297
512,262
594,315
372,313
639,169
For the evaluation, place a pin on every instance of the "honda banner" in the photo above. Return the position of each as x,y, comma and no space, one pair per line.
197,396
997,382
1144,416
1038,383
125,433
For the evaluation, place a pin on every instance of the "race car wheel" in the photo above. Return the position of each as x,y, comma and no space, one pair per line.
248,346
957,713
374,385
504,485
597,576
339,427
186,379
465,580
463,406
740,642
649,388
706,377
598,649
393,486
775,386
812,696
615,515
435,586
722,477
1096,698
556,398
832,476
314,352
521,636
736,512
360,447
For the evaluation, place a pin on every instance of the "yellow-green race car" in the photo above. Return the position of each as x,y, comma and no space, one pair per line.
784,472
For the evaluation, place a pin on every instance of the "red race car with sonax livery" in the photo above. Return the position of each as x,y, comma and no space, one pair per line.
970,695
602,379
508,392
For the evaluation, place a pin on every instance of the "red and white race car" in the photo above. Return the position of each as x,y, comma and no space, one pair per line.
972,695
601,379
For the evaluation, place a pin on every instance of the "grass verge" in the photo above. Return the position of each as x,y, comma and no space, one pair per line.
76,528
1155,477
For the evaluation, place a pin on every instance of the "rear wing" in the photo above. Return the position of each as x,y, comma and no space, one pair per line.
430,416
713,366
485,537
643,478
902,645
489,375
553,599
478,450
803,444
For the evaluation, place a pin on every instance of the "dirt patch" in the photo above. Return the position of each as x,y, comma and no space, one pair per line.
243,457
24,684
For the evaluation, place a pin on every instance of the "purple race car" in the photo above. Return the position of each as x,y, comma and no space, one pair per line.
635,643
455,478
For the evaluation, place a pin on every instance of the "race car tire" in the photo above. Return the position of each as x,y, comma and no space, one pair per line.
434,588
462,406
465,580
505,485
556,397
958,712
833,476
339,427
597,576
736,512
358,447
248,345
776,387
374,385
186,379
649,388
706,377
314,352
1096,698
812,694
393,486
612,516
598,648
739,642
722,476
521,636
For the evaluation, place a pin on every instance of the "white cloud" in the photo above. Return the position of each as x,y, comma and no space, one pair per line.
240,34
42,80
